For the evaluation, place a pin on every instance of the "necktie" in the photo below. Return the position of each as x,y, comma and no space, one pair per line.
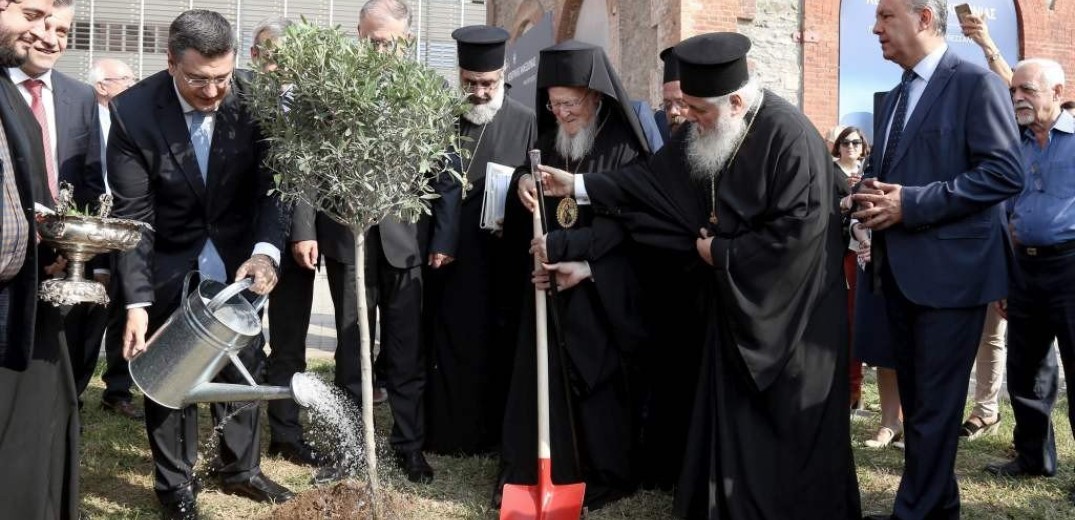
201,139
210,264
37,106
898,120
878,245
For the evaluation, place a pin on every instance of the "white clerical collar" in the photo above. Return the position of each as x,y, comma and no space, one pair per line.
18,76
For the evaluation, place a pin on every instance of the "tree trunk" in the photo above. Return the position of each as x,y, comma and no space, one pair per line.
366,360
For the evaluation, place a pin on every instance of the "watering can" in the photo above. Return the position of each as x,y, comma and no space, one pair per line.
208,330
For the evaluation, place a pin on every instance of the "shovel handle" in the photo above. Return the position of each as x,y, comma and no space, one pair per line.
542,337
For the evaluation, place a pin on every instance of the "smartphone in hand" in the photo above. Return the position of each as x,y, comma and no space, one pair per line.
962,11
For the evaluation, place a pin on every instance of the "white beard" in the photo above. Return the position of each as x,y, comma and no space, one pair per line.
484,113
575,147
708,152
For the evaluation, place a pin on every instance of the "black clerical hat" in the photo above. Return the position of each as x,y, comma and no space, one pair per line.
713,65
480,48
671,65
576,64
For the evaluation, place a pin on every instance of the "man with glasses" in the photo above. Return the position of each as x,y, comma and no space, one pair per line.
468,312
674,111
1041,298
185,155
396,250
109,78
586,123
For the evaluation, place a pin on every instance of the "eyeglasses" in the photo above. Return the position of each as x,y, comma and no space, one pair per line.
218,81
470,85
125,79
677,104
851,142
566,106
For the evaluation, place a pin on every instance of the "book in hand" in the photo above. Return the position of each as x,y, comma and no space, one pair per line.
497,184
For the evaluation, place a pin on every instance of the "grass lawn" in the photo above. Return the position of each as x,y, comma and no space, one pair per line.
116,475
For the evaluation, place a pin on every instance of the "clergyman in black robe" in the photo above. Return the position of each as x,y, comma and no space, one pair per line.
470,311
769,436
591,419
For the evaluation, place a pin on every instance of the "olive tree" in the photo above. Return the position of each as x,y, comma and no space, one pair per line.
359,133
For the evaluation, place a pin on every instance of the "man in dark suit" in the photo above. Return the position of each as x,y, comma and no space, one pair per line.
185,155
38,414
947,155
69,114
395,252
110,77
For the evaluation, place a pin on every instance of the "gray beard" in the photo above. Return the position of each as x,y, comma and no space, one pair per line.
484,113
575,147
708,152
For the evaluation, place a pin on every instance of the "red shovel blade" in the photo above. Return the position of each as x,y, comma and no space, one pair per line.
543,501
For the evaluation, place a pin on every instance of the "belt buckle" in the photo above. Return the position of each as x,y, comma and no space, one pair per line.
1032,251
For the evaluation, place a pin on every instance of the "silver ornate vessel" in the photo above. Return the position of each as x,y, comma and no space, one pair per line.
79,238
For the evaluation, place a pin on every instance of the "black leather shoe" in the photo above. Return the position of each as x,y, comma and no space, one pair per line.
414,465
259,488
186,508
297,453
1015,468
124,408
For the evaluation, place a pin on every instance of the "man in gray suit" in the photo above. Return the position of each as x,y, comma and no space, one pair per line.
947,156
66,110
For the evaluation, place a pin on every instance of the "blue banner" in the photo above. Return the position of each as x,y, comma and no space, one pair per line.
863,71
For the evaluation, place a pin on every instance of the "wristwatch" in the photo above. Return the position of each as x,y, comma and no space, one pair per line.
992,56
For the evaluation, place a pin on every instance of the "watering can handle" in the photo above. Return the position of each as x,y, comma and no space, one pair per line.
228,292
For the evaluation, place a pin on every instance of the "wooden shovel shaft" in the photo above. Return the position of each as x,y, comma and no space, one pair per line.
544,451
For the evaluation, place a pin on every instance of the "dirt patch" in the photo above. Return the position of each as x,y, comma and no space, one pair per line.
345,500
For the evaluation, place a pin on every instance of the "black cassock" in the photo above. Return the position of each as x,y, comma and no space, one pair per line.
472,304
601,328
769,435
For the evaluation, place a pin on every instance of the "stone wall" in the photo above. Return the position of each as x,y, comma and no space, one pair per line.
775,54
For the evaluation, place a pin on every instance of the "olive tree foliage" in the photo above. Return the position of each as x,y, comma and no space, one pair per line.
359,134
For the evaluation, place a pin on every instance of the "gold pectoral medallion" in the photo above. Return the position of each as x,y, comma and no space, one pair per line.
713,217
567,212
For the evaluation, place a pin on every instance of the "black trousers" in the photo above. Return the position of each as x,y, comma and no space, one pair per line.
1041,308
290,304
84,326
173,434
116,376
934,351
397,293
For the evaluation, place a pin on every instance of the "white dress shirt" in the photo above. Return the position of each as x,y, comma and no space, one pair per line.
104,118
19,77
924,70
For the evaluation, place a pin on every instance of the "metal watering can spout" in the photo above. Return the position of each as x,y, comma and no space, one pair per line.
210,392
212,324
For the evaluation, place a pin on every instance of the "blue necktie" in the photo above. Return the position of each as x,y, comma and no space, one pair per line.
898,120
210,264
201,139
